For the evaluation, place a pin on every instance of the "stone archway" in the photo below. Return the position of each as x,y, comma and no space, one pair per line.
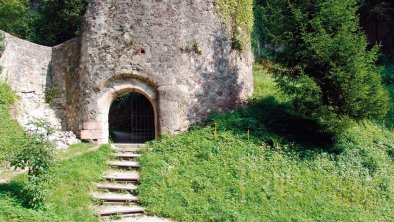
97,129
131,119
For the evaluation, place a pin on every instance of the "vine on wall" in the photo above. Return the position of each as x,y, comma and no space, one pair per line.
238,16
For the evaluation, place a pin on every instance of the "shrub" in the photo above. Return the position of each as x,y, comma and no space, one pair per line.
52,94
325,64
36,156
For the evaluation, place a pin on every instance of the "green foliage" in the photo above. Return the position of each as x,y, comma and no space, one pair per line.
67,191
326,66
50,22
13,14
36,156
2,44
387,70
192,47
257,170
238,15
2,47
12,137
260,36
52,94
56,21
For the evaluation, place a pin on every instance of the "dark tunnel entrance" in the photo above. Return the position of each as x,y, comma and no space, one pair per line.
131,119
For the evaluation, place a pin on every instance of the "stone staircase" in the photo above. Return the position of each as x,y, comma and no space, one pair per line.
115,195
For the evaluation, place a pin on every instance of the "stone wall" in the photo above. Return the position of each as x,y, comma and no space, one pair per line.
177,53
178,48
66,77
26,68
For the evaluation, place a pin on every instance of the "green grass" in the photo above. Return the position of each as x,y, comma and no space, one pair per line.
75,150
268,164
12,136
68,191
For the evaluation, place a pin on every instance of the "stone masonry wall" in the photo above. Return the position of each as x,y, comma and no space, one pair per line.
176,53
26,70
66,77
180,49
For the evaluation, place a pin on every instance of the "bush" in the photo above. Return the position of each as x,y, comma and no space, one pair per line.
325,64
37,157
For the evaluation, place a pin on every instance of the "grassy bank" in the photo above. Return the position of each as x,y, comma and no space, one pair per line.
264,163
12,136
68,191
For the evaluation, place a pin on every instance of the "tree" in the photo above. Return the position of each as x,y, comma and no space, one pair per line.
325,63
13,16
377,19
56,21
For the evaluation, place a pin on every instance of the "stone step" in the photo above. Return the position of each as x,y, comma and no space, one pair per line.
128,145
114,197
116,186
127,155
130,164
132,176
126,150
118,210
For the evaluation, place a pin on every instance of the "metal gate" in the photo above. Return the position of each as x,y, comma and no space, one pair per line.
142,119
132,119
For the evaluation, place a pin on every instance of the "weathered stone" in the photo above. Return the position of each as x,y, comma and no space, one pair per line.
26,69
176,53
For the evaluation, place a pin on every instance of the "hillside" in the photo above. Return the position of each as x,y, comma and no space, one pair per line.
261,163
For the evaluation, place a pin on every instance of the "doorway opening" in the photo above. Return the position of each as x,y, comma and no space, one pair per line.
131,119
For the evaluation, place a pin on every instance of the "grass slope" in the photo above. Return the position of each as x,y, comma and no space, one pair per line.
12,136
264,163
68,191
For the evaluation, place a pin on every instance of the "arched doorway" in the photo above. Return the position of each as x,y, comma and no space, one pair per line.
131,119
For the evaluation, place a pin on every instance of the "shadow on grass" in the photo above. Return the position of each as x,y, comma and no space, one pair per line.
269,121
14,189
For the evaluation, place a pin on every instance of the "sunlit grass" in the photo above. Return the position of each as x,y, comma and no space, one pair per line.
267,164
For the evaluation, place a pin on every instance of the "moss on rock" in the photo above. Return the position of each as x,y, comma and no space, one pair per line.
238,16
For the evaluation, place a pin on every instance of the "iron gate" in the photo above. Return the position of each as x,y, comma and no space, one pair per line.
132,119
142,119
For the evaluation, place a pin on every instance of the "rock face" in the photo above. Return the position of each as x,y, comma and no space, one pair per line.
176,53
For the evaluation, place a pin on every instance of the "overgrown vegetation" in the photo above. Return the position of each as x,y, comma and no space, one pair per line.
12,136
53,93
238,16
267,164
325,65
47,22
67,191
37,157
2,47
24,150
2,44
